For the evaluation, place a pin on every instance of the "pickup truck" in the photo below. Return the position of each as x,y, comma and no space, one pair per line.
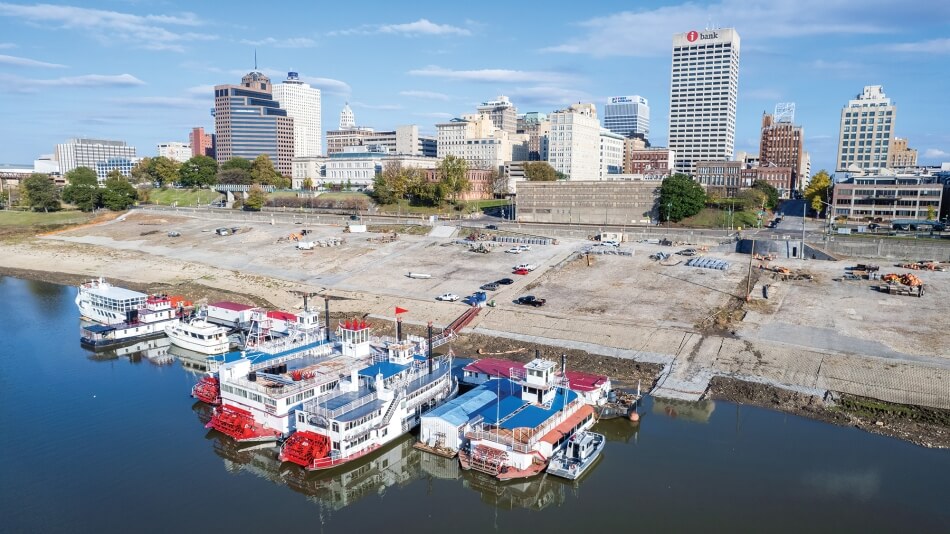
530,300
475,299
526,266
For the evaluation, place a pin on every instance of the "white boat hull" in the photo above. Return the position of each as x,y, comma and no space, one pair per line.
180,336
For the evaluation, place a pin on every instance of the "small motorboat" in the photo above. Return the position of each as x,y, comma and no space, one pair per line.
578,455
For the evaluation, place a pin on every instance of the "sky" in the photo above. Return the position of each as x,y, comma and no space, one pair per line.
143,71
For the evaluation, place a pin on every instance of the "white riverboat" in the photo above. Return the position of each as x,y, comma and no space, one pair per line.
578,455
372,407
140,316
198,335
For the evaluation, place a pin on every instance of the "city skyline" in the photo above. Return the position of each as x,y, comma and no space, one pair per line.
145,73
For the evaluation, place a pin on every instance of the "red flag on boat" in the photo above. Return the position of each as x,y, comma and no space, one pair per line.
400,310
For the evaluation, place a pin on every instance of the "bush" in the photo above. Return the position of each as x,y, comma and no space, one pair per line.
350,203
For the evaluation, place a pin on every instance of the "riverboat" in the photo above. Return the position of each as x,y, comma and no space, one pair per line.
578,455
372,407
198,335
516,434
145,322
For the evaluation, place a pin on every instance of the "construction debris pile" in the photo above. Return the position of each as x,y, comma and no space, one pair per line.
905,279
708,263
923,266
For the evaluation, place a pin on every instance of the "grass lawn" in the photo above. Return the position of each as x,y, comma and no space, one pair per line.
342,194
184,197
30,218
714,218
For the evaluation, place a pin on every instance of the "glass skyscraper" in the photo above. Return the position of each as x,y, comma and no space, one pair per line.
627,115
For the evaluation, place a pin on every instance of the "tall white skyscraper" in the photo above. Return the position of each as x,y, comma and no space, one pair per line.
88,152
867,123
302,103
704,89
627,115
347,120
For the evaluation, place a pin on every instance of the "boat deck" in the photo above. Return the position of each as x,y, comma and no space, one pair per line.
361,411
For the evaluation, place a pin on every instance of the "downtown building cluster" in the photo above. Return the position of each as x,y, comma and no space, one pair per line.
580,142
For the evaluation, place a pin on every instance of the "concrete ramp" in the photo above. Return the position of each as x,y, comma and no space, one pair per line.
442,231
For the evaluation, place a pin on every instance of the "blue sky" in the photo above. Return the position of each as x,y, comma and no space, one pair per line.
143,71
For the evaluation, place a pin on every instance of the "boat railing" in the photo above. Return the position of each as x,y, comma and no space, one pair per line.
277,390
321,348
348,407
486,434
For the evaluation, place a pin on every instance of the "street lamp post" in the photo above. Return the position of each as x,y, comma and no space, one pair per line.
669,207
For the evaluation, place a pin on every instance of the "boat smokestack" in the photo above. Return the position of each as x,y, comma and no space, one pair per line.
399,329
430,348
326,315
564,365
537,354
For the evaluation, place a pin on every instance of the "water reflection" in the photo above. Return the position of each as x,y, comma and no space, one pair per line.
154,351
397,464
860,485
697,412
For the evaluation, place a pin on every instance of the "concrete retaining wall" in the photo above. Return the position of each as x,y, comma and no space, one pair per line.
897,249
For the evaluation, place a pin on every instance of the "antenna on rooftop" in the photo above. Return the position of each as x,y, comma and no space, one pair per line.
255,59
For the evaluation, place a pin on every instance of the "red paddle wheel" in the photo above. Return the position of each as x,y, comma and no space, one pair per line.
239,424
207,390
303,447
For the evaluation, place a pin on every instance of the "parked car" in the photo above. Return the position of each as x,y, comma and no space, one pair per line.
610,243
687,252
174,233
526,266
476,298
521,271
505,281
873,226
513,250
447,297
354,217
530,300
491,286
491,227
524,248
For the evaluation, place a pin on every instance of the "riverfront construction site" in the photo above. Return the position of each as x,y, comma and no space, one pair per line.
811,328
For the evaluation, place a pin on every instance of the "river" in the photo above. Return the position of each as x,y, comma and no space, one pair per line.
113,443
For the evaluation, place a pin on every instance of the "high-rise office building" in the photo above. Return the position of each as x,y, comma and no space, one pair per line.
347,120
302,103
574,142
503,114
536,127
867,123
782,144
475,139
249,122
704,89
88,152
202,144
627,115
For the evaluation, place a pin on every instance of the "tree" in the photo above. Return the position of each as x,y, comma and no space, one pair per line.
118,193
308,184
237,163
263,172
39,193
539,171
752,199
771,194
82,190
817,190
199,171
160,170
500,183
255,199
680,197
931,213
393,182
453,174
234,176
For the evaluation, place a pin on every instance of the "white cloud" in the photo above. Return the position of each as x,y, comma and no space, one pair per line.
409,29
288,42
201,91
146,31
328,85
933,46
840,65
546,95
86,80
382,107
4,46
427,95
490,75
423,27
935,153
648,32
26,62
162,102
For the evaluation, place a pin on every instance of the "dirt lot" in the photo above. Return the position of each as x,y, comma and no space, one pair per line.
627,306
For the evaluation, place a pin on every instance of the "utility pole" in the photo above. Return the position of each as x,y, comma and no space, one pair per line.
801,250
